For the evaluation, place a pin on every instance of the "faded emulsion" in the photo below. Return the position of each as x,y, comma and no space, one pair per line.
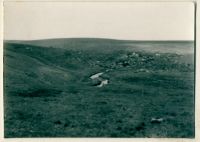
98,88
98,69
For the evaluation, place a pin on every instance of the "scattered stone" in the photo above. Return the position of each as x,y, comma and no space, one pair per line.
156,120
95,76
143,70
103,82
98,81
134,54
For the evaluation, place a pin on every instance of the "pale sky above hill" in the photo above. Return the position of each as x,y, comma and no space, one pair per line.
118,20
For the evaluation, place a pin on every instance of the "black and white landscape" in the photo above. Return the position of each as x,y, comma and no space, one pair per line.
99,88
99,69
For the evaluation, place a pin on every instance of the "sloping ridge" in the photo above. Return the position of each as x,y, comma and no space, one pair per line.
25,70
61,42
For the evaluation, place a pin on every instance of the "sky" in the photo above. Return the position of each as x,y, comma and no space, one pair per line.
116,20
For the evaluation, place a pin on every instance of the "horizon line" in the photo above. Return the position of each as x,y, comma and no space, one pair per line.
98,38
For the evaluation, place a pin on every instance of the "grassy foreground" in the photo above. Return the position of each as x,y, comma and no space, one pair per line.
48,91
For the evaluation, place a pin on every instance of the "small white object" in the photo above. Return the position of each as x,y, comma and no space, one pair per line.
96,75
156,120
134,54
104,82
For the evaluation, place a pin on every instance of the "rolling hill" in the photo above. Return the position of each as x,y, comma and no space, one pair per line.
48,90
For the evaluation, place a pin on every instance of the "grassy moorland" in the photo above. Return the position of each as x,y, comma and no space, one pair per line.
48,91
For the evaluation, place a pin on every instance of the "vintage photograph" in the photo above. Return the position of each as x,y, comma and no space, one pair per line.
99,69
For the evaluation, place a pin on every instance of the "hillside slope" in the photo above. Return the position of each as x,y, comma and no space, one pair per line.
48,91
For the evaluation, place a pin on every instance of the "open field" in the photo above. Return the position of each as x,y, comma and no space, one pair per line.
48,90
